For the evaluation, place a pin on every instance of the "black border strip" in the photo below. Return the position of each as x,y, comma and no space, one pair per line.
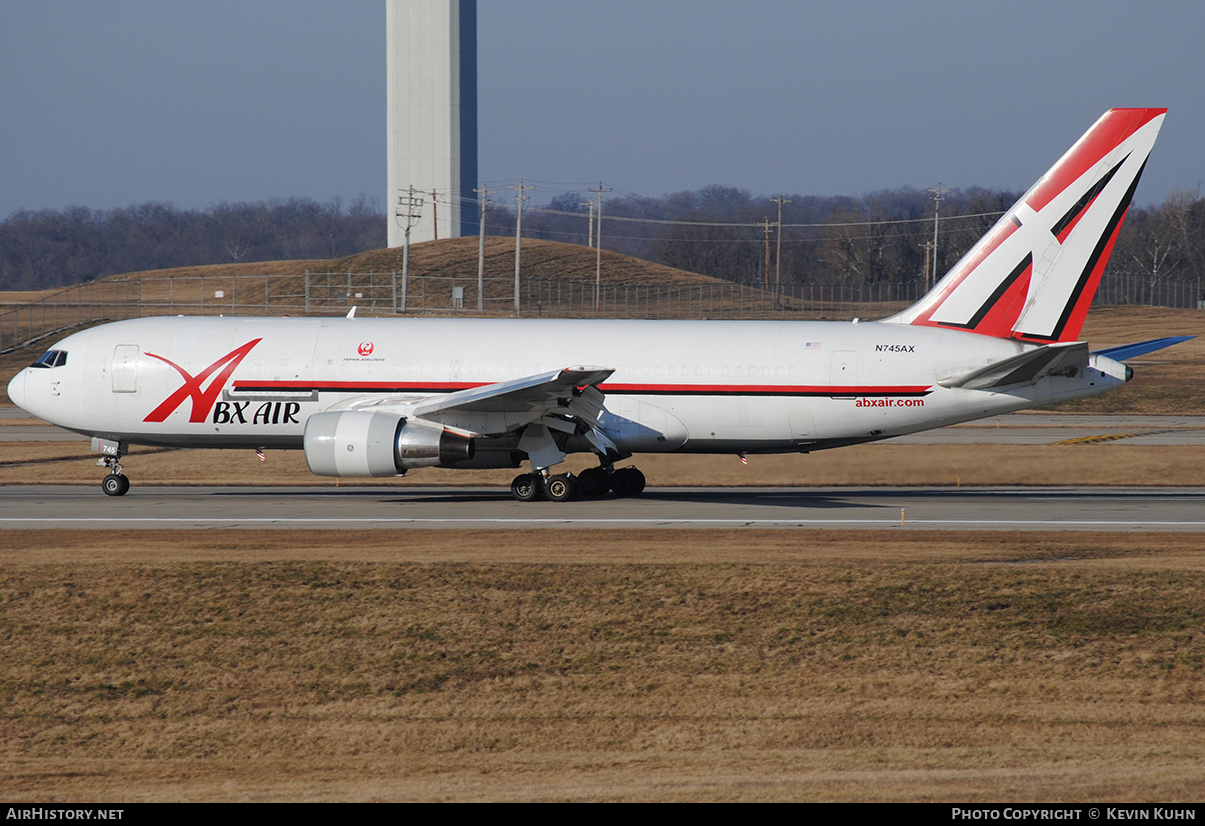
1086,199
1094,258
736,391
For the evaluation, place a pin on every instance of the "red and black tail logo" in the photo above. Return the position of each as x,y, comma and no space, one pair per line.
1032,277
202,400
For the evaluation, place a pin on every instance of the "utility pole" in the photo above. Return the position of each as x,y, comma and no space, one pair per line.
590,234
766,277
780,200
520,198
409,210
435,213
928,249
598,249
938,195
485,199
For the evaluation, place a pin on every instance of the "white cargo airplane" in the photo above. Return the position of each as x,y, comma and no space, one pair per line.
377,397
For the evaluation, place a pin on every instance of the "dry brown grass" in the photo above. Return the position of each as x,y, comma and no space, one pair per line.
456,258
435,267
156,283
629,665
1170,381
719,665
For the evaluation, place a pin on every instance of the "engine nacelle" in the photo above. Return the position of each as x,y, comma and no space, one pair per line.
367,443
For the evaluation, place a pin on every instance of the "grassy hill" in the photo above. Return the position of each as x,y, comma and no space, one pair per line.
453,259
551,273
541,260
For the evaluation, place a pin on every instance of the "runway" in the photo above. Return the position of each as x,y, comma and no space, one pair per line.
383,507
245,508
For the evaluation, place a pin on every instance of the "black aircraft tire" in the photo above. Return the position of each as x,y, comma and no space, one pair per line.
562,488
526,487
115,484
594,481
627,481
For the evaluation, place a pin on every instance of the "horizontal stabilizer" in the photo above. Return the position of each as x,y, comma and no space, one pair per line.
1027,368
1131,351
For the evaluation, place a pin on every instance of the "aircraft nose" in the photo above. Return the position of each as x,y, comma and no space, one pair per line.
16,390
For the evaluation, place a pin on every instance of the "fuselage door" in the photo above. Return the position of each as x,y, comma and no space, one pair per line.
125,368
803,428
844,368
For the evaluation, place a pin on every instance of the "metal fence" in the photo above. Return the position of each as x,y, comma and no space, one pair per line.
1142,290
388,294
76,306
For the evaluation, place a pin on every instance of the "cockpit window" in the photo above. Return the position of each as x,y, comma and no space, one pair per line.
51,358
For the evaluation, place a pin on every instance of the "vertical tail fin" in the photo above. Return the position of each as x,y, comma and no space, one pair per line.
1033,276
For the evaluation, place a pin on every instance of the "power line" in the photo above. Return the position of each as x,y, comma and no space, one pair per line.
754,224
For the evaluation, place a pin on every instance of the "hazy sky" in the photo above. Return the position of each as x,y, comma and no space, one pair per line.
107,104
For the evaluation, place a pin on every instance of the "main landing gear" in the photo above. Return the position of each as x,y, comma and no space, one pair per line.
590,483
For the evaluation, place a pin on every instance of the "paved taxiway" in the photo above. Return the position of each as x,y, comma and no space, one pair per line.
235,508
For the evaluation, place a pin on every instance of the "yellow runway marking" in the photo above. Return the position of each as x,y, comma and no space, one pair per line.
1112,437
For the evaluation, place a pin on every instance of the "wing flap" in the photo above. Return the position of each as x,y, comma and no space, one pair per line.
558,400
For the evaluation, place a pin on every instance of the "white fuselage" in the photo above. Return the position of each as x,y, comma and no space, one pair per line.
694,386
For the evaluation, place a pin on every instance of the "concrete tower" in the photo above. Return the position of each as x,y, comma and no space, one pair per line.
431,115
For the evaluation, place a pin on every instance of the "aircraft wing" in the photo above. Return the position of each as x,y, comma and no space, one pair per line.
1027,368
516,395
562,400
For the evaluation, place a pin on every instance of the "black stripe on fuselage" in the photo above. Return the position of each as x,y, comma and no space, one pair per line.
627,391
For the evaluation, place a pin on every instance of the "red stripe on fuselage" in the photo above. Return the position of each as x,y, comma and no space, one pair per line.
768,389
250,386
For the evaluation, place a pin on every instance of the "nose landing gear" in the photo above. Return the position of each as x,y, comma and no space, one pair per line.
115,483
